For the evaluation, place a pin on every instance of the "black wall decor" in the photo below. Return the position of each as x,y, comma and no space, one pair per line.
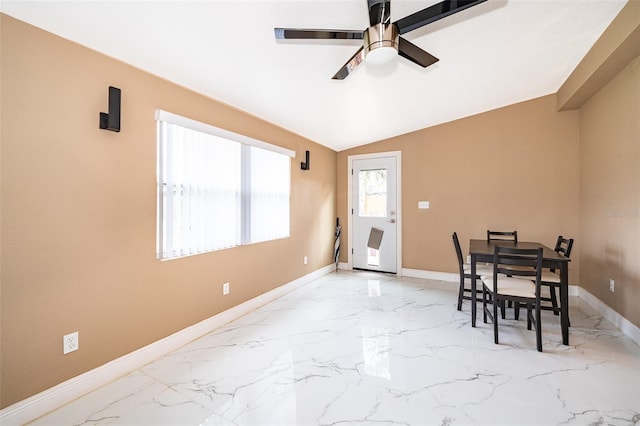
305,165
111,121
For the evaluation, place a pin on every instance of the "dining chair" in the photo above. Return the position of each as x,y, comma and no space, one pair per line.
516,277
502,236
465,273
551,279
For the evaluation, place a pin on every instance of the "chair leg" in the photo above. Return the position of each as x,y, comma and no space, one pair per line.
516,310
484,304
554,300
529,316
538,328
495,318
503,310
460,293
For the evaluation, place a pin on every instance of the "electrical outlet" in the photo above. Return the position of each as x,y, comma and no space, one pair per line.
225,289
612,285
69,343
305,260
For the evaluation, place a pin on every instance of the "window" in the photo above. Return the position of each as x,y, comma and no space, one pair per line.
372,198
217,189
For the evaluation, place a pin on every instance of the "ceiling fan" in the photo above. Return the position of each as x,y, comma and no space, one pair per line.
381,40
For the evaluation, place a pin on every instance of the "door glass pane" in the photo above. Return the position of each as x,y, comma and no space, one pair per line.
372,198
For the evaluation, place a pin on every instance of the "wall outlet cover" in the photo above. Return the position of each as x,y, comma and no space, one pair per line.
70,343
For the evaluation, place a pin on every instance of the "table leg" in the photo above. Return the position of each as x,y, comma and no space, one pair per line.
564,302
473,290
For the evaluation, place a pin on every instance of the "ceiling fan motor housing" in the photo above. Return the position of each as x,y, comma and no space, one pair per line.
381,43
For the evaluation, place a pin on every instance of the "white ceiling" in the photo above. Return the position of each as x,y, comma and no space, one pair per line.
491,55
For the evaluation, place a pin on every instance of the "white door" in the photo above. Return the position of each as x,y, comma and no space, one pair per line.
374,210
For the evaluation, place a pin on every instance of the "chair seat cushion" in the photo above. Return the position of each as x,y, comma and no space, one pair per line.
480,269
512,286
550,277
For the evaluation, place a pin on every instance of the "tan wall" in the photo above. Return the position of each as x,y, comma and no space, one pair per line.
511,168
610,192
79,214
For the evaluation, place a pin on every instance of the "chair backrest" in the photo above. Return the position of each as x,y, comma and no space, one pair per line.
564,245
510,261
502,236
456,244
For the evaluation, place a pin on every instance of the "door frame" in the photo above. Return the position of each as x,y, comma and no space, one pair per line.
350,160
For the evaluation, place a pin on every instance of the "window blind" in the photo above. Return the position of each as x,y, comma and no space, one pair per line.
216,193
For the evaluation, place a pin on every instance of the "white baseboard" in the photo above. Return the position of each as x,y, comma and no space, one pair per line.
623,324
430,275
42,403
343,265
454,277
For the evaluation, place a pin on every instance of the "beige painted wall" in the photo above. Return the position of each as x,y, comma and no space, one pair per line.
511,168
79,214
78,203
610,192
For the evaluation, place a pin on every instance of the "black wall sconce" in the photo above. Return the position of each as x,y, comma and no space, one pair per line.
111,121
305,165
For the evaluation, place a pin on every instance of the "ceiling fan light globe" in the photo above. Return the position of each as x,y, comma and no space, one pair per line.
382,55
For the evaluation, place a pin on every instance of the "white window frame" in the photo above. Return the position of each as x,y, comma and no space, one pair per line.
246,142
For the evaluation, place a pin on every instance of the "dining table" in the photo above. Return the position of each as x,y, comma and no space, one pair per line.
482,250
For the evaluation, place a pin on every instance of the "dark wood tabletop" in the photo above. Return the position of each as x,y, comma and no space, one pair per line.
484,247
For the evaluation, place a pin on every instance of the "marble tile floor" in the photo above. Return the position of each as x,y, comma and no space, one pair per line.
372,349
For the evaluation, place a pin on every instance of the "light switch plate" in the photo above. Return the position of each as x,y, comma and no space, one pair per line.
423,204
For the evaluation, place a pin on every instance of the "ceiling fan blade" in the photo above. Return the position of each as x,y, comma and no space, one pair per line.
410,51
379,11
433,13
298,33
350,66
